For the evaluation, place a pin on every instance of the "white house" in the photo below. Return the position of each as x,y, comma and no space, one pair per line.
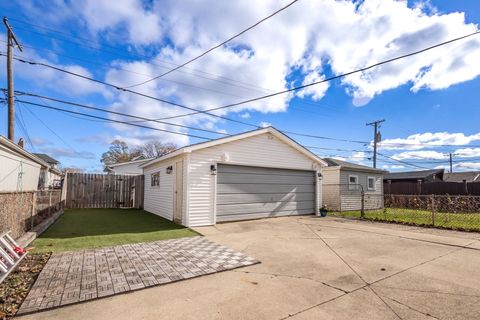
50,177
19,169
128,168
344,182
257,174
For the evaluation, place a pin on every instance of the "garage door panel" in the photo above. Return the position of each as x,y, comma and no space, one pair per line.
253,192
223,168
228,178
263,197
238,217
247,188
227,209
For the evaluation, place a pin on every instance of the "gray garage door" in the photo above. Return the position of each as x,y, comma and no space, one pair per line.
253,192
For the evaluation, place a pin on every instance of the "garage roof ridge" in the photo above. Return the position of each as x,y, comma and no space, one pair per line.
285,138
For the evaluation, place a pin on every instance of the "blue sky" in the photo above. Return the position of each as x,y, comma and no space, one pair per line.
429,102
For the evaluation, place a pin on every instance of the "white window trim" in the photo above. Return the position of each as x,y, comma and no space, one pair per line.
352,186
374,183
151,175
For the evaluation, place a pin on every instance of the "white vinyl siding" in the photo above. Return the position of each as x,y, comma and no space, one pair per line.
351,198
128,168
17,173
159,200
263,150
331,188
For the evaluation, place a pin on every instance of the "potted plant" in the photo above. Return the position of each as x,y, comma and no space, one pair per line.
323,211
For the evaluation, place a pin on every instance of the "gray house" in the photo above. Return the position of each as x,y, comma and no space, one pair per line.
343,184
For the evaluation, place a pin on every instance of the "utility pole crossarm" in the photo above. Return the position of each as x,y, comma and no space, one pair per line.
376,125
10,31
11,43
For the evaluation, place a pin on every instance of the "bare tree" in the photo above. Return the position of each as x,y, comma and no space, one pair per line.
154,149
118,152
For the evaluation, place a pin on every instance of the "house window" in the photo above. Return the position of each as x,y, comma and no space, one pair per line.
352,182
370,183
155,179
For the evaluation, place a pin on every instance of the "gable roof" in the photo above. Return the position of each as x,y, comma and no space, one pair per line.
422,174
352,166
469,176
139,161
46,158
19,150
281,136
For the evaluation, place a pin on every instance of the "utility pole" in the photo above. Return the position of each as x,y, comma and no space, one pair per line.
377,137
11,42
451,166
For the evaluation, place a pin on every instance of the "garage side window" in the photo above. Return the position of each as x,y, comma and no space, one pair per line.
371,183
155,179
352,182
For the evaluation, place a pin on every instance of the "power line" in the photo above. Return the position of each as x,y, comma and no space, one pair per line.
337,149
192,128
151,97
125,90
401,161
24,129
254,99
120,53
112,120
173,103
334,77
302,102
48,127
216,46
117,113
427,144
289,90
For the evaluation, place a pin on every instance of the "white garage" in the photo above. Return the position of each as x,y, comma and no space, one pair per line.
257,174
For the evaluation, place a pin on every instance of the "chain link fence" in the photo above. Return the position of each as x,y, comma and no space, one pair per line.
459,212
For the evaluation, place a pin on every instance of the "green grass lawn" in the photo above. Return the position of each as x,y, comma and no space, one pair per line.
461,221
92,228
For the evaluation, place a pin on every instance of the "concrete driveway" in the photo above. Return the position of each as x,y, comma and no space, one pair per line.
316,268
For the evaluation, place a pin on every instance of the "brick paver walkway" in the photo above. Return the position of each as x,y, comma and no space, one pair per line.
72,277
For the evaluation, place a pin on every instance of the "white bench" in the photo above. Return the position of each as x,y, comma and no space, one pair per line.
9,259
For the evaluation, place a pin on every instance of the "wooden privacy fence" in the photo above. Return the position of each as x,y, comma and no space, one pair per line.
91,190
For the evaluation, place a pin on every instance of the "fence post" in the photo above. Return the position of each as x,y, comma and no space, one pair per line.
419,186
50,203
34,209
433,209
362,210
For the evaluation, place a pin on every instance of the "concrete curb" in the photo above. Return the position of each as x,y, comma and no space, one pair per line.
28,237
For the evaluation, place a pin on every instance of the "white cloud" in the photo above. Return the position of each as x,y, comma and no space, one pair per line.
53,80
140,24
349,36
426,140
58,152
245,115
468,165
432,155
467,152
392,167
293,44
357,156
264,124
462,166
316,92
